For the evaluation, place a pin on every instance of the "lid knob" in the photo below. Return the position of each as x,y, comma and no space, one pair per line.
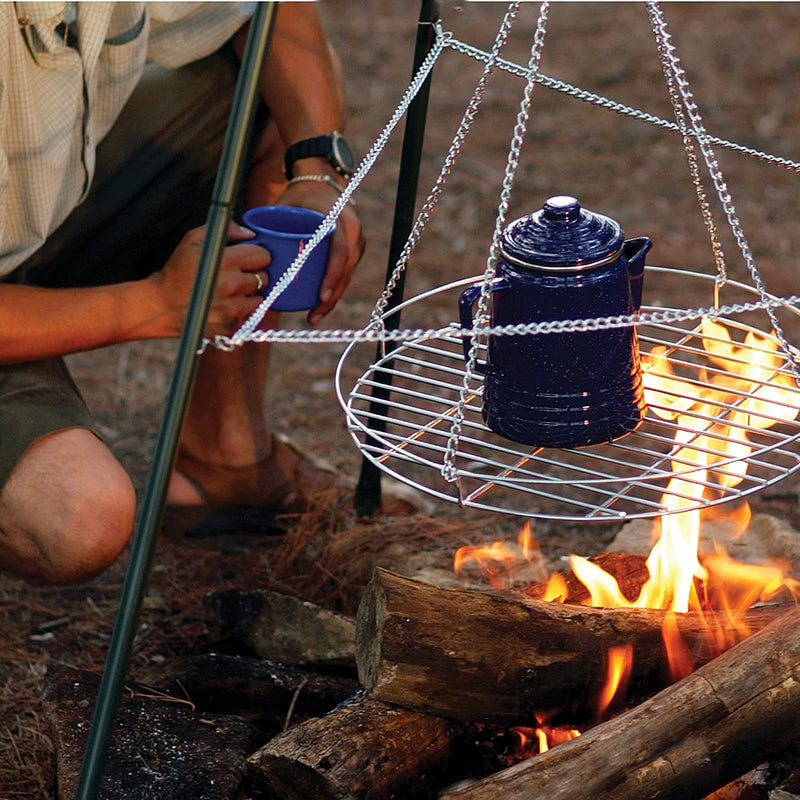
562,208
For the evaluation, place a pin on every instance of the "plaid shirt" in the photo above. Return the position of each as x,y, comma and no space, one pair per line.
58,101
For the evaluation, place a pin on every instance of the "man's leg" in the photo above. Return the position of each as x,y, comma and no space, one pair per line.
225,423
66,505
67,510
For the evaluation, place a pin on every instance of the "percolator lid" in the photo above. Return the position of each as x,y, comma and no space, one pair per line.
562,235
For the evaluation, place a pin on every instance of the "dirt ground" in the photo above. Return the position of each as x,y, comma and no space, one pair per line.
742,63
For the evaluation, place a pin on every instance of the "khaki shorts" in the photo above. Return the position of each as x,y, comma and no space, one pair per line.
154,181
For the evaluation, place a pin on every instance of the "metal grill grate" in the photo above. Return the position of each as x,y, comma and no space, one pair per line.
642,474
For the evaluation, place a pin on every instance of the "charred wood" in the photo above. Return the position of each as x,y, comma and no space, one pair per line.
365,750
684,742
285,629
500,656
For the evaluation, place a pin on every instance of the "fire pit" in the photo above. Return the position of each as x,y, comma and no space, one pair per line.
722,399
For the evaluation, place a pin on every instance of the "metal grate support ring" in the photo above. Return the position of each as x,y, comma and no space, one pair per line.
735,423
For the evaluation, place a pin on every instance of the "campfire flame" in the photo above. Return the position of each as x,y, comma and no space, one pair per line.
531,741
500,562
745,390
619,661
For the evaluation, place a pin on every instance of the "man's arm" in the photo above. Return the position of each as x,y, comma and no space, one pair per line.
39,323
303,91
300,86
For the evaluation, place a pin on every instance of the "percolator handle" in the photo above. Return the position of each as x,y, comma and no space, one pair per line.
634,251
465,303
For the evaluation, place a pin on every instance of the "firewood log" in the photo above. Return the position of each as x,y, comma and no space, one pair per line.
684,742
285,629
499,656
365,750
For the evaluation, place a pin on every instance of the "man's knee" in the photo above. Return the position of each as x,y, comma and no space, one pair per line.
67,510
93,532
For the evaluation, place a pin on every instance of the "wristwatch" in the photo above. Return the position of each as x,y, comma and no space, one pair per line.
331,146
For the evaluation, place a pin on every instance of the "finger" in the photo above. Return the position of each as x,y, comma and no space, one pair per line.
337,276
245,257
249,283
261,281
237,283
227,319
238,233
347,248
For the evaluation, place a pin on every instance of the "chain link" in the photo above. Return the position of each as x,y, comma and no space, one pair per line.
689,125
691,155
672,64
612,105
246,331
445,40
380,334
447,166
449,471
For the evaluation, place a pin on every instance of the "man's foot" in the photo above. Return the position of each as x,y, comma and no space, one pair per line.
285,481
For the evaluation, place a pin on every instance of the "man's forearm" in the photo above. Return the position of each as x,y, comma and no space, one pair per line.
40,323
300,85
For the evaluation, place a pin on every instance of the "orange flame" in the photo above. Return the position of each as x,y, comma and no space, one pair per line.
556,589
540,739
746,390
679,657
619,660
502,561
496,560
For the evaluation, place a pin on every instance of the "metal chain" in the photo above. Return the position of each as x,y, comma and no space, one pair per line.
372,334
452,154
695,131
612,105
672,63
691,156
246,330
449,471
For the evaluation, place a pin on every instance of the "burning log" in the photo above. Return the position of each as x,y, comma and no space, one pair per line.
500,656
688,740
366,750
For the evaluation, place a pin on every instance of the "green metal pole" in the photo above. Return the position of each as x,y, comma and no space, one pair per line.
225,189
367,498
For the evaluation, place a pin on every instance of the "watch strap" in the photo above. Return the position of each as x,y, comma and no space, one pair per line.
307,148
329,145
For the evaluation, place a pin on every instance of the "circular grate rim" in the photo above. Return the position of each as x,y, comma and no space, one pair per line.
639,475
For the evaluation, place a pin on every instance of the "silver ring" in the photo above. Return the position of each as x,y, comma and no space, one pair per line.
260,282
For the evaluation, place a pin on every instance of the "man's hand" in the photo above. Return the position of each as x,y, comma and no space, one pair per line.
347,242
234,298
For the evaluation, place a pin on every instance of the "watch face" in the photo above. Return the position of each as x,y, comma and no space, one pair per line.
343,155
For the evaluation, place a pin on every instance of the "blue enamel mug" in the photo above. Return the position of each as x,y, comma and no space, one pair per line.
562,389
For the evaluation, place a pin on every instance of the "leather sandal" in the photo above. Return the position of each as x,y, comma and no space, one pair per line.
248,499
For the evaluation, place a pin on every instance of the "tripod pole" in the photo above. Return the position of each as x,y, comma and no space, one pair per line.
368,489
228,179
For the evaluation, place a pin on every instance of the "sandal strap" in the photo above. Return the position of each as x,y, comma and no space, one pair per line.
259,484
282,481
